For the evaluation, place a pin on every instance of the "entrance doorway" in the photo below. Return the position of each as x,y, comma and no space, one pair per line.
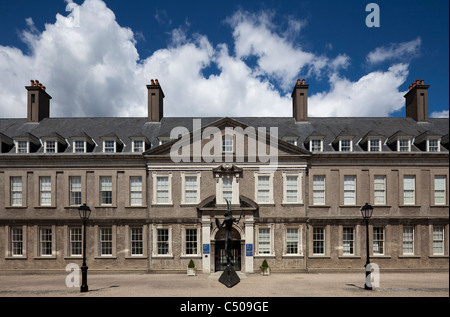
220,261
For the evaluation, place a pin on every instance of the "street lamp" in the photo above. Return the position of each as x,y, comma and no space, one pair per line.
84,212
366,212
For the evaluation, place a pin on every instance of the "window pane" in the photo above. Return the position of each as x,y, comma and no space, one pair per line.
45,191
137,241
162,190
379,190
318,240
264,240
191,241
378,240
106,241
349,190
75,190
292,241
438,240
163,241
136,191
45,241
409,188
16,241
263,189
440,190
75,241
227,189
16,191
190,189
106,190
291,189
408,240
319,190
348,241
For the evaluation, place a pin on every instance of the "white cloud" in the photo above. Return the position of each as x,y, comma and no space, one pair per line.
440,114
92,68
375,94
396,51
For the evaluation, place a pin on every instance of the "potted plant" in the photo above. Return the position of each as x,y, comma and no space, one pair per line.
265,269
191,268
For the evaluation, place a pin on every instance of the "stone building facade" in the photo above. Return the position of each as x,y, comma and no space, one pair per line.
156,185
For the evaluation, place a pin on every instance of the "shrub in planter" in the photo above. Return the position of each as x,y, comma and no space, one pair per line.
191,268
265,270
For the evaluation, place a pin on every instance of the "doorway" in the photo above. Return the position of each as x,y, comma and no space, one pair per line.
221,258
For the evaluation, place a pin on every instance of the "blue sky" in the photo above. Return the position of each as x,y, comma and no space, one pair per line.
223,58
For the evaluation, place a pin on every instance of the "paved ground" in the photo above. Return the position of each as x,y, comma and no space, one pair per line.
207,285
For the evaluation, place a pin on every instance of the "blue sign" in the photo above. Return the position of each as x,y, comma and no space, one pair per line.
249,249
206,249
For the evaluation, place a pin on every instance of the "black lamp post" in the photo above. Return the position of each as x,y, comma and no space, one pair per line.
85,212
366,212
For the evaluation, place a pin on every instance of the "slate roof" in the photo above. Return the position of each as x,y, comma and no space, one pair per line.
127,128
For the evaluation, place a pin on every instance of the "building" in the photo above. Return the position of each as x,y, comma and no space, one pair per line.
296,183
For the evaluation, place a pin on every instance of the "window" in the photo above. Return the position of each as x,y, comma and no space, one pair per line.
75,190
16,191
138,146
349,190
109,146
292,236
191,241
404,145
16,241
227,189
137,241
75,241
433,145
379,189
162,190
345,145
263,189
227,144
348,241
45,241
408,240
79,146
374,145
106,190
190,189
291,140
378,240
50,147
440,192
318,190
45,191
136,191
315,145
318,241
409,190
264,241
22,147
438,240
291,189
106,240
163,241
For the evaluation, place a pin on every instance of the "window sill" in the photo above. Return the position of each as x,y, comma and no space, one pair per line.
105,257
16,207
16,258
191,256
381,256
443,256
292,256
50,257
137,257
162,257
44,207
409,256
320,257
162,205
349,257
319,206
292,204
409,206
264,255
137,207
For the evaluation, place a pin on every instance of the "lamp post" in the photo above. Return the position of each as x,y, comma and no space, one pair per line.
84,212
366,212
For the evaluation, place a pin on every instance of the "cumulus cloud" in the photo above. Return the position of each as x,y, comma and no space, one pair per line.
91,67
395,51
440,114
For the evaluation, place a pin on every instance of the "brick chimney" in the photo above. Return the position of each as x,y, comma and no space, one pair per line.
38,103
417,101
155,101
300,101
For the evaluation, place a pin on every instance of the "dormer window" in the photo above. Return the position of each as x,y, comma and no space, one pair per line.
433,145
291,140
374,145
79,146
404,145
22,147
345,145
138,146
109,146
50,147
316,145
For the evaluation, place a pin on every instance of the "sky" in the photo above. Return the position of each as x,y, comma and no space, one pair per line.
224,58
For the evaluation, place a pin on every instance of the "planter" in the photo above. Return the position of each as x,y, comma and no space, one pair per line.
191,272
265,272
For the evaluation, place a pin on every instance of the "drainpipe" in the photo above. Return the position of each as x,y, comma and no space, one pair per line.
147,173
306,215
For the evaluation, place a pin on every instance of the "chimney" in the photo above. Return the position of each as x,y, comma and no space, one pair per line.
417,101
300,101
38,102
155,101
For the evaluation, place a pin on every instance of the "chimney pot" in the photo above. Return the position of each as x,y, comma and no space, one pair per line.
36,83
32,82
156,82
303,81
298,81
152,82
422,81
417,82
